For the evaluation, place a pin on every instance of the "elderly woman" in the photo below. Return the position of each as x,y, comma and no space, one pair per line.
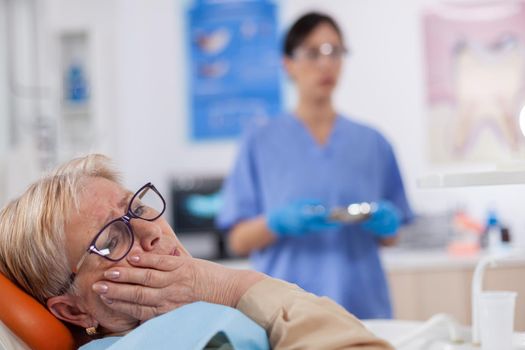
104,259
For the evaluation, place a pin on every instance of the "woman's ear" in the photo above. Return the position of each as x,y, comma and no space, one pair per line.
65,307
288,65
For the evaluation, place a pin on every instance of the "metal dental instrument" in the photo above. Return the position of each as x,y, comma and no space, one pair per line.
355,212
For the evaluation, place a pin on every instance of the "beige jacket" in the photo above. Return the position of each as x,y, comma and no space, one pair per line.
295,319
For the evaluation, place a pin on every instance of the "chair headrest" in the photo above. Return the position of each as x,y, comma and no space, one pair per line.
31,321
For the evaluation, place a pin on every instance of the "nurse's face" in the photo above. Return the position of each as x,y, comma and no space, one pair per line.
101,202
315,66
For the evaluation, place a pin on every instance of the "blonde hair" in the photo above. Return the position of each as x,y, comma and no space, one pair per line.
32,238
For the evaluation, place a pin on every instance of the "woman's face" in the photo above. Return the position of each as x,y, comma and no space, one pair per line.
100,202
316,64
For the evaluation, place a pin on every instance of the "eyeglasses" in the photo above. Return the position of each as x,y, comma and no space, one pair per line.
313,54
115,240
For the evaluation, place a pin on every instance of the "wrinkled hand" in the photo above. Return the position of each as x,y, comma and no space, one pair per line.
156,284
299,218
385,220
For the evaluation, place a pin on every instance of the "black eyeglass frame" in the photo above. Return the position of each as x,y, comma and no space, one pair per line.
126,218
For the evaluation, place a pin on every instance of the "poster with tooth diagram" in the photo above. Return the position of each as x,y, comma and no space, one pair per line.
475,75
234,66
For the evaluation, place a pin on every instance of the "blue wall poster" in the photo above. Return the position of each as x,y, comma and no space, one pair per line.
235,66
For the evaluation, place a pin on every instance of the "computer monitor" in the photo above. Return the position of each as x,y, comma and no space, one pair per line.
197,232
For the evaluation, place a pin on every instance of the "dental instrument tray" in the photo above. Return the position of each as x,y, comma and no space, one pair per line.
355,212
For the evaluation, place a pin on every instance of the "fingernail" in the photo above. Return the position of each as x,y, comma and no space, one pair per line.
106,300
100,288
112,274
134,258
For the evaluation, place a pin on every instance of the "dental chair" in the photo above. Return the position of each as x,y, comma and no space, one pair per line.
26,324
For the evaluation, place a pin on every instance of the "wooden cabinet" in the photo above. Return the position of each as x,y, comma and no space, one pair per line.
420,292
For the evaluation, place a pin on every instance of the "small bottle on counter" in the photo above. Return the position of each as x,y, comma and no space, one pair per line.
496,238
505,236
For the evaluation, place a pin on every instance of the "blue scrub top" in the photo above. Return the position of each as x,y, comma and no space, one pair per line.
280,162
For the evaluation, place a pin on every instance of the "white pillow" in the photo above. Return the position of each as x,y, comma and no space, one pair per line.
9,341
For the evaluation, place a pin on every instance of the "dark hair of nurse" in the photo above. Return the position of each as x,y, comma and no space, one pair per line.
303,27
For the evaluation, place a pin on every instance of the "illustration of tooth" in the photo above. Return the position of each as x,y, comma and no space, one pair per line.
488,84
214,42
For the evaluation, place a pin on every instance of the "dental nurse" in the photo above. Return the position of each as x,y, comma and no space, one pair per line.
315,158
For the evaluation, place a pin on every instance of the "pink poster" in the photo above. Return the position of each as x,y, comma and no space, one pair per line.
475,75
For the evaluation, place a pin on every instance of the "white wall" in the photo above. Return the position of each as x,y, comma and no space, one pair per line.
142,96
20,91
153,98
4,107
382,84
98,19
35,66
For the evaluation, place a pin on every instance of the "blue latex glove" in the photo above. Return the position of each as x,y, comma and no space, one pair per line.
385,220
299,218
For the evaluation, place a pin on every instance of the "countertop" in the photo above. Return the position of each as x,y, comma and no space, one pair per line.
401,259
397,259
431,335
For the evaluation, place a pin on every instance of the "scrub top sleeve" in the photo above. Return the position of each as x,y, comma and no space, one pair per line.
394,188
240,191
